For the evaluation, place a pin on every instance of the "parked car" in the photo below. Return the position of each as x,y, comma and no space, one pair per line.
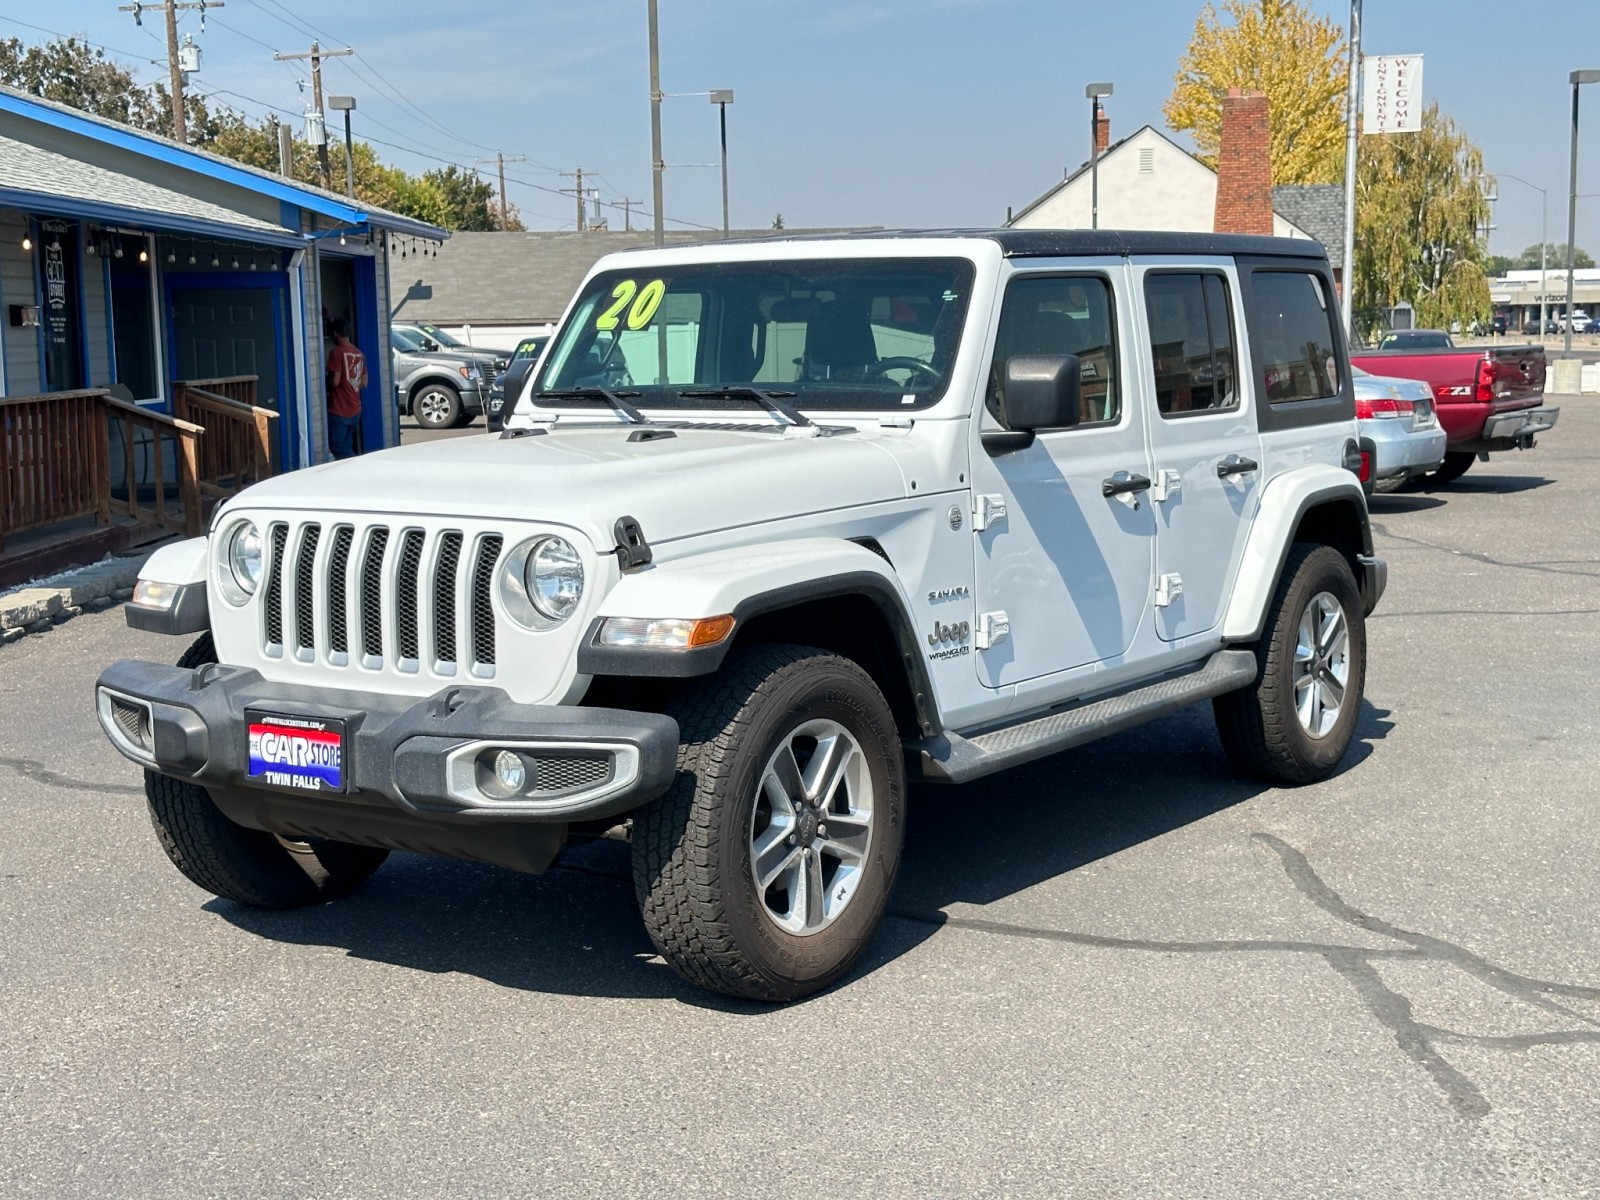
1396,416
1487,398
510,380
912,518
429,332
1494,326
1416,339
439,388
1579,321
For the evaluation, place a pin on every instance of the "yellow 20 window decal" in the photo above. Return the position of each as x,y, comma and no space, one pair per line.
645,302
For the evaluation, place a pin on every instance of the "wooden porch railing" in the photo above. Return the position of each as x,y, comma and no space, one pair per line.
53,460
235,387
159,430
236,450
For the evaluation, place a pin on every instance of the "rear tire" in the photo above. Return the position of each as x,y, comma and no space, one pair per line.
744,887
1285,728
243,864
1454,466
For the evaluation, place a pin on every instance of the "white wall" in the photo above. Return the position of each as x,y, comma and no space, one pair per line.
1178,193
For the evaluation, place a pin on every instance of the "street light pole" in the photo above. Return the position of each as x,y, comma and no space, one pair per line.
1352,114
1544,237
346,105
722,97
1094,92
1578,78
656,164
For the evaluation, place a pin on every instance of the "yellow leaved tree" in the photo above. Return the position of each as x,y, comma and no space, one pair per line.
1283,50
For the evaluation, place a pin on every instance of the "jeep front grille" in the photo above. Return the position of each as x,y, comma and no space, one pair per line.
404,599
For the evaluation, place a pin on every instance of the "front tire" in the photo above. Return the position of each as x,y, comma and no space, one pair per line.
1295,723
243,864
764,872
436,406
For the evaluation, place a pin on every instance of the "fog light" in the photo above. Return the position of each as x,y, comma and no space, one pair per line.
509,771
504,774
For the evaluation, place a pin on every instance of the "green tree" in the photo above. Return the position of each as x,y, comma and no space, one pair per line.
1283,50
464,200
1555,256
1420,208
1499,264
73,72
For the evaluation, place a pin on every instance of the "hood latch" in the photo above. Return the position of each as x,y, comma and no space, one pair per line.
633,551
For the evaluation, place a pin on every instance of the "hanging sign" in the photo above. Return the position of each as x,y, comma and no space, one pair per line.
1391,93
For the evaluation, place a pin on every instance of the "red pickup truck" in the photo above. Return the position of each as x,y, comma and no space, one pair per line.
1488,398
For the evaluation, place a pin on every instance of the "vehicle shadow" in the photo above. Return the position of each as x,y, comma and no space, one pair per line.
576,929
1401,502
1497,485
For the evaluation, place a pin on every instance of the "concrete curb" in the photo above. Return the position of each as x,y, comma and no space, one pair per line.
46,603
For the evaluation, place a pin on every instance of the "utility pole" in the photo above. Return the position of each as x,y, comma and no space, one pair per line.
627,214
656,163
180,124
577,190
1352,116
316,54
500,161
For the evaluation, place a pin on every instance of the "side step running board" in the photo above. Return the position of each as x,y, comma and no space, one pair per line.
952,758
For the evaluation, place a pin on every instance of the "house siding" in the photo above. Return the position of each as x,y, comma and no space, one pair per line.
23,368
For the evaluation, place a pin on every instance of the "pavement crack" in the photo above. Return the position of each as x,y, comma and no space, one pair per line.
1542,568
32,768
1392,1010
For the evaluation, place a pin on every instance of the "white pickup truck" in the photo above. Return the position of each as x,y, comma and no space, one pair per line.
774,527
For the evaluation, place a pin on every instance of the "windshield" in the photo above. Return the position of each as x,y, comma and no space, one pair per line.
404,339
846,334
529,348
443,338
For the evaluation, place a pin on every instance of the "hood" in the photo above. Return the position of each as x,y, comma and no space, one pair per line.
586,476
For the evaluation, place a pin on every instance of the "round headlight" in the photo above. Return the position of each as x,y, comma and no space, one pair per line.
243,556
554,578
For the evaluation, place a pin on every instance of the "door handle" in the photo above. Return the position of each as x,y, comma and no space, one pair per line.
1236,464
1123,483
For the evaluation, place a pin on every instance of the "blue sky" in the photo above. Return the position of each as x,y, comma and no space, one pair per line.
874,112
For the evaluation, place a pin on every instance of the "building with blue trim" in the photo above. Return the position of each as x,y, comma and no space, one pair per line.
130,262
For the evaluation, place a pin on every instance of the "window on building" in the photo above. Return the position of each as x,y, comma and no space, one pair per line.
1292,314
1062,314
1191,343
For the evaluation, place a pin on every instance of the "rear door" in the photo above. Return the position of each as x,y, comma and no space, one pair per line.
1204,445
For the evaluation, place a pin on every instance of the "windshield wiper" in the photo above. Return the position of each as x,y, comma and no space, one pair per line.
615,399
771,401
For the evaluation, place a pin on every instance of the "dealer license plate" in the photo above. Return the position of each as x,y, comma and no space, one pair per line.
304,754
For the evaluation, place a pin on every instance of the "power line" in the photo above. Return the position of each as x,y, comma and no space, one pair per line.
137,55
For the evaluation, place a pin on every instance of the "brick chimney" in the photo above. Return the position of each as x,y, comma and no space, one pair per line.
1102,131
1244,165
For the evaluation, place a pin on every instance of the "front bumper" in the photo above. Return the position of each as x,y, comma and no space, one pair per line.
410,768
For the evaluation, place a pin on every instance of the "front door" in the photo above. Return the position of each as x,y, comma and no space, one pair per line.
1205,449
223,331
1068,565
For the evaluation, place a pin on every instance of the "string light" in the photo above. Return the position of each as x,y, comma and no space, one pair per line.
27,242
144,255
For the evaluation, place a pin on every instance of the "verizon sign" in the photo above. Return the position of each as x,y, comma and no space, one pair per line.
1391,93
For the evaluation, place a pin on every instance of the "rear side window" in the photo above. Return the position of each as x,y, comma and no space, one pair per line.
1292,314
1063,314
1191,343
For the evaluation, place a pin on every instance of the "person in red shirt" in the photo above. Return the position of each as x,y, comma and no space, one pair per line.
347,375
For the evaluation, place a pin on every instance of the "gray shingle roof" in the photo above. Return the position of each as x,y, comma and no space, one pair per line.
1318,208
517,278
54,177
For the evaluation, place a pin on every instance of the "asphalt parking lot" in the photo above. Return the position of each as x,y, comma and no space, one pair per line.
1116,973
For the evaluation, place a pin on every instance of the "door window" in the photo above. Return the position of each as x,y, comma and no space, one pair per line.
1191,343
1062,314
1292,315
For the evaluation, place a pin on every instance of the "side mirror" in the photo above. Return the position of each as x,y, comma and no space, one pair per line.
430,345
1042,391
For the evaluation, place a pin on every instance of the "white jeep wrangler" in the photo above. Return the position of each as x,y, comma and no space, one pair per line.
774,526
